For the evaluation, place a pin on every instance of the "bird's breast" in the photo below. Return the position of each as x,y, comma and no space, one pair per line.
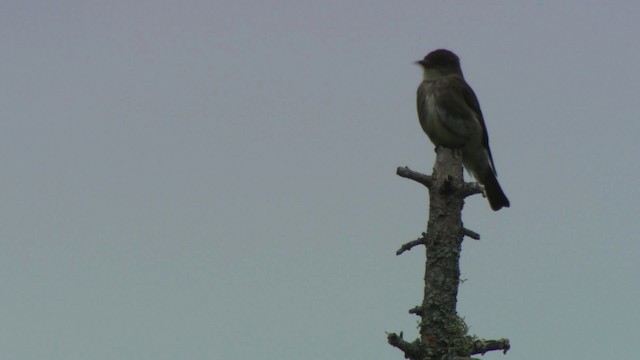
437,124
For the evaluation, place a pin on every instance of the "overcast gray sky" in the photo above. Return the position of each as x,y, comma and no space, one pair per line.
216,180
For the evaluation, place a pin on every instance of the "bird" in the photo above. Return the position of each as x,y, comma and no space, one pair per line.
450,115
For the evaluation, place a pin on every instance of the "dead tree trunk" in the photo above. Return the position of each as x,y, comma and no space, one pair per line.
443,334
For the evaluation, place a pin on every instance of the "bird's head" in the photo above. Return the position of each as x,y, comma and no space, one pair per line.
440,63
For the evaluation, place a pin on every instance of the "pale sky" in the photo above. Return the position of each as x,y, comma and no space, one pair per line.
216,180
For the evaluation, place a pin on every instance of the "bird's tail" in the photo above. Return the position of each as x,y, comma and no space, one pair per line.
497,198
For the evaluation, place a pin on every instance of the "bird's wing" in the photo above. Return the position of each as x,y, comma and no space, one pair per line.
471,101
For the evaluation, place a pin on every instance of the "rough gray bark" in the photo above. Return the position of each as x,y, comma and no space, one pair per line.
443,334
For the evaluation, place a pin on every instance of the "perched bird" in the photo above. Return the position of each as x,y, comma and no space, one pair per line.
449,113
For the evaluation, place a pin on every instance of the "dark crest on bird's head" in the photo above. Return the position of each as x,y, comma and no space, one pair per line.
440,58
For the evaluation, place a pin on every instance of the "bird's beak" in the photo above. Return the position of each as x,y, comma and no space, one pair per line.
419,63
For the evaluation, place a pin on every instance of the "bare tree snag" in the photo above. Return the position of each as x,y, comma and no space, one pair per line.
443,334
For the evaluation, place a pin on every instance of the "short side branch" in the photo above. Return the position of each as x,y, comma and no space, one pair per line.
472,234
482,346
411,350
417,310
407,173
471,188
408,246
